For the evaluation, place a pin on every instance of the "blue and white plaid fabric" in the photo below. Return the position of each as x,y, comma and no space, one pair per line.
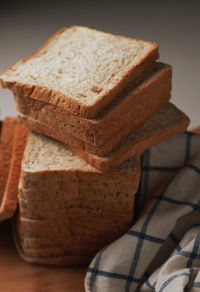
161,252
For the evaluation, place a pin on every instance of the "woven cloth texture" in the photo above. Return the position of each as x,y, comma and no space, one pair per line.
161,251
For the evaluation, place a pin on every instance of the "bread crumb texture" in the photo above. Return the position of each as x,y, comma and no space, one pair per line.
43,154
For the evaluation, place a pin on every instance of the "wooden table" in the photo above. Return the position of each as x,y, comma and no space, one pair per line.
18,276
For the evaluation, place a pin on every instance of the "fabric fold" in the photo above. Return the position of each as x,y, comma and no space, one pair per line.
161,252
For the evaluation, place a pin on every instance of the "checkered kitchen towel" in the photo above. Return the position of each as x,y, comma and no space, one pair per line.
161,252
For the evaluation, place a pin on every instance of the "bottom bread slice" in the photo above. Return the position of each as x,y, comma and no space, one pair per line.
166,123
68,210
58,260
80,231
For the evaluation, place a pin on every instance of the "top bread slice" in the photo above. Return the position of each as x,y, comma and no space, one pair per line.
148,93
9,193
80,70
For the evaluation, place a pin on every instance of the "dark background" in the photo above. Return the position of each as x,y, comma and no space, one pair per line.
174,25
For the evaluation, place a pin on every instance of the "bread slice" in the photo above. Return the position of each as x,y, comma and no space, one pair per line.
147,95
63,260
6,148
80,69
49,121
9,200
67,237
166,123
68,210
0,128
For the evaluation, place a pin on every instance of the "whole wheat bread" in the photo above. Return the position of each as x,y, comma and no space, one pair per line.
65,129
68,210
9,200
6,147
167,122
79,235
130,109
80,69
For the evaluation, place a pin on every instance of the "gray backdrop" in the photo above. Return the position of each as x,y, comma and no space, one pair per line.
174,25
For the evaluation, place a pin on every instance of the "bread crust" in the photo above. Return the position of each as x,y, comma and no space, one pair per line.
9,201
106,163
130,113
0,128
66,102
137,146
6,148
66,131
161,131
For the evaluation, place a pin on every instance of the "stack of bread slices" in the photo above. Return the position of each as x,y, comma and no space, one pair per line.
93,103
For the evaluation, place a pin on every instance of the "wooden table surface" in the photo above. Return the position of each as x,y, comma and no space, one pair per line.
18,276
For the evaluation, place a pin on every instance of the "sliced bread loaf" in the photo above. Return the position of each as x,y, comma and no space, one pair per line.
80,69
167,122
79,233
147,94
68,210
9,199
